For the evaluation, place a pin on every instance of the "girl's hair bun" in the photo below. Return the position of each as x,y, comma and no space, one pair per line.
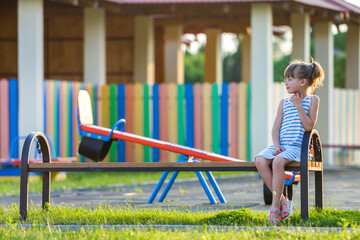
312,72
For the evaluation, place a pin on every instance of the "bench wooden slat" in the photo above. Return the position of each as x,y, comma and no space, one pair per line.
158,166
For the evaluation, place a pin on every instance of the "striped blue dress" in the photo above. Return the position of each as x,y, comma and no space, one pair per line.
291,132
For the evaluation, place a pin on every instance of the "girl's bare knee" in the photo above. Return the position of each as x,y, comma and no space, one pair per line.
260,162
279,163
259,159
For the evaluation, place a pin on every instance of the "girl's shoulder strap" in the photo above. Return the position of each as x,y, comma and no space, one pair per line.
285,100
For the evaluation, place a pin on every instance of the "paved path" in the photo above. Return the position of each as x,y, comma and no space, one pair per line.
342,190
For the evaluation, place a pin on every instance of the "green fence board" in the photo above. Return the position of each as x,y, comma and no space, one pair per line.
146,121
181,116
215,119
249,122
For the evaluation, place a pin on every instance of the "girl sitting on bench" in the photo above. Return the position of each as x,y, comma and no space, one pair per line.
294,116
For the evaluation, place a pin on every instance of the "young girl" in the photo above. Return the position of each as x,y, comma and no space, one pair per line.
294,116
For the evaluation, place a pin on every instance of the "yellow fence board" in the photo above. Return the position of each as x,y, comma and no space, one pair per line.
207,116
172,116
243,131
105,113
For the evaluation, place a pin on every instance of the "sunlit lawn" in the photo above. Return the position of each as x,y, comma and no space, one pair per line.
127,215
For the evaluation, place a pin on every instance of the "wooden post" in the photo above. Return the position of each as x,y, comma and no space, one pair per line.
174,56
31,65
300,24
324,54
246,58
213,61
353,57
262,94
94,46
144,60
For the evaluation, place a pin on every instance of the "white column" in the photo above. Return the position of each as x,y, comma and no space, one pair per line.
324,54
246,58
95,46
353,57
262,95
30,66
300,24
213,61
144,59
174,56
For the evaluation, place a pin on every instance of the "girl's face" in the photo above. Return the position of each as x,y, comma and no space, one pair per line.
293,85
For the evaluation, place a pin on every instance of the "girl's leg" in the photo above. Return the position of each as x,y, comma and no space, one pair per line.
278,180
263,167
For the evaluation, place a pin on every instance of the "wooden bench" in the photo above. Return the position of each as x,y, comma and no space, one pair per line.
311,141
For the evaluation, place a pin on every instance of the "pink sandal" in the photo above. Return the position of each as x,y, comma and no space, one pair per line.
287,209
273,220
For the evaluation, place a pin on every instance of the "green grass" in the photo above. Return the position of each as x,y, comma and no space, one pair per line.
125,215
108,215
14,232
98,179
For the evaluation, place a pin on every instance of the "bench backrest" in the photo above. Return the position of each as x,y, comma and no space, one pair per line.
85,108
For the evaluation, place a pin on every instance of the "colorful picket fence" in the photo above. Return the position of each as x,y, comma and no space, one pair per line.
195,115
347,126
206,116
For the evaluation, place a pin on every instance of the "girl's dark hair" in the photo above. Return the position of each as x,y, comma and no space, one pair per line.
312,72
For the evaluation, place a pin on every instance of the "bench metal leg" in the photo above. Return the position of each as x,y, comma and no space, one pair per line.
158,186
168,186
319,190
215,187
46,190
206,187
304,190
24,176
24,189
289,192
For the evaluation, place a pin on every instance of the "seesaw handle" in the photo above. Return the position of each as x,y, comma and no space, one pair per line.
122,123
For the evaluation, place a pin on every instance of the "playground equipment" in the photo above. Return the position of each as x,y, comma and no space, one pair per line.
97,141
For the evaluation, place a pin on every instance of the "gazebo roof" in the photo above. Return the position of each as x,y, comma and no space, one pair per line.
228,15
336,5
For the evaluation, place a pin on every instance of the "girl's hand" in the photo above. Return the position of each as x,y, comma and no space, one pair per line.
277,150
296,99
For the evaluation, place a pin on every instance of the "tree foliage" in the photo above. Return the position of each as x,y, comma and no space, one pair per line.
194,63
232,66
194,66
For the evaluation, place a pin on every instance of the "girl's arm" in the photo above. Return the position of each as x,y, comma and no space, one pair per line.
277,125
308,121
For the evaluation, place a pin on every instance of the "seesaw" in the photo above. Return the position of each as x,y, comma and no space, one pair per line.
96,142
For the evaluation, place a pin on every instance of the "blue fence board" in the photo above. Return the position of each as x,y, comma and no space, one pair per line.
224,113
121,114
13,115
156,122
189,96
